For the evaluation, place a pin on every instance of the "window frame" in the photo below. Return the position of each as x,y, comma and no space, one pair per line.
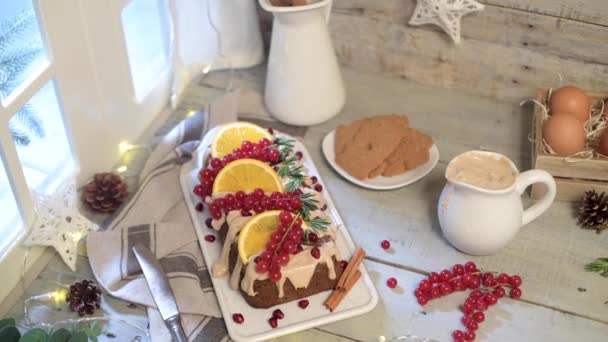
88,63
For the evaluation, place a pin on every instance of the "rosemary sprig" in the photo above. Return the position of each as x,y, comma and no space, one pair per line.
285,147
294,174
309,202
318,223
600,266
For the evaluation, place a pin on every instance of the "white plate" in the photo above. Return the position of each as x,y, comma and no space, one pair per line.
362,298
380,182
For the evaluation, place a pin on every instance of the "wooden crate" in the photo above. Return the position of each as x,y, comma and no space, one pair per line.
572,179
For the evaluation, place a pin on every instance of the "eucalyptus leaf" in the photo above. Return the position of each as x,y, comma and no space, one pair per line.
35,335
9,334
80,336
61,335
7,322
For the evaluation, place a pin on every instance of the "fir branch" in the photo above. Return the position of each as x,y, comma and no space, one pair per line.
29,119
12,29
19,137
600,266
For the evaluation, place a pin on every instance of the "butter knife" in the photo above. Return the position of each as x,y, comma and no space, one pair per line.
161,291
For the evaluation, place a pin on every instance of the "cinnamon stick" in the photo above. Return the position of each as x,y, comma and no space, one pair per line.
353,265
337,296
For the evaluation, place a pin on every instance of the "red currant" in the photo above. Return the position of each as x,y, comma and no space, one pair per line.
423,300
457,284
385,244
262,266
245,213
479,317
435,292
258,208
209,238
296,203
475,282
274,156
490,299
198,190
418,293
476,294
458,269
283,259
467,308
445,275
515,281
466,278
275,275
469,336
318,187
425,285
391,283
278,314
434,277
458,334
240,196
238,318
481,305
472,326
446,288
264,143
273,322
315,252
499,292
303,303
515,293
503,278
215,163
258,194
470,266
246,146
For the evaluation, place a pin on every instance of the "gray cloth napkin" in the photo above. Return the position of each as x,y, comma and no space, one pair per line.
157,217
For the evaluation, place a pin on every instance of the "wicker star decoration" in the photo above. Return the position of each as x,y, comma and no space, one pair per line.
445,14
59,224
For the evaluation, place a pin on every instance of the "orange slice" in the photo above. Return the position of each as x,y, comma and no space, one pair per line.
247,175
256,233
230,136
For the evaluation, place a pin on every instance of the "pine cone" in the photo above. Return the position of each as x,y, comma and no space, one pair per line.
105,193
593,212
84,297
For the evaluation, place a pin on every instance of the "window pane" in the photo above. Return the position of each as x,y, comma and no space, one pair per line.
43,147
10,220
146,36
21,50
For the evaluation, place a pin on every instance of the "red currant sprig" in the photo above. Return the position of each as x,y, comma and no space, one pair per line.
285,241
486,291
258,201
264,150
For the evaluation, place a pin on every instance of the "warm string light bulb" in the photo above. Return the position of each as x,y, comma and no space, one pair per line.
121,169
124,147
58,296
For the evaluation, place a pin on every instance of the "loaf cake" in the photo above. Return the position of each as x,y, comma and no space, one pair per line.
300,255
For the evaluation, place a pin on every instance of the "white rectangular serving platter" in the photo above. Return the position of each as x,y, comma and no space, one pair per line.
362,298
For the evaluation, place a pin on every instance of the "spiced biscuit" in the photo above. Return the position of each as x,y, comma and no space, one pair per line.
363,147
413,151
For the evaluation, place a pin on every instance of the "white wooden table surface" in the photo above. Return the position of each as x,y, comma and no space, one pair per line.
560,302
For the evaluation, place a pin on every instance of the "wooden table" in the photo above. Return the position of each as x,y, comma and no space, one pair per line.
561,302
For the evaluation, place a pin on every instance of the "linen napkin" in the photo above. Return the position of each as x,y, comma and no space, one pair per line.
157,217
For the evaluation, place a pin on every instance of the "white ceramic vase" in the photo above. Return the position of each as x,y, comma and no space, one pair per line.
303,84
478,221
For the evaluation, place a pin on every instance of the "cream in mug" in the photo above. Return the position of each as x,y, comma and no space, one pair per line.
482,170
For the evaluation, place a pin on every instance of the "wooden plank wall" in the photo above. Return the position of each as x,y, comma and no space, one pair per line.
508,50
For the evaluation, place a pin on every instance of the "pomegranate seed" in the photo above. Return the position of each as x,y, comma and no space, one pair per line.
312,237
208,222
343,264
515,293
314,179
278,314
324,207
299,155
385,244
318,187
391,282
303,303
238,318
270,130
209,238
199,206
273,323
315,252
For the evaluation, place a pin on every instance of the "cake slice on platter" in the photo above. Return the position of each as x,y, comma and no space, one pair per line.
278,243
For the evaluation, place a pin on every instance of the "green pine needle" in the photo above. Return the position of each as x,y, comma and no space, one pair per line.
599,266
318,223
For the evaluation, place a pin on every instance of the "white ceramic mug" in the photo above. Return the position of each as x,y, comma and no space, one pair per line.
479,221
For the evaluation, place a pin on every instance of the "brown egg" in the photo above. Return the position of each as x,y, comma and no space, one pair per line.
564,133
602,147
571,100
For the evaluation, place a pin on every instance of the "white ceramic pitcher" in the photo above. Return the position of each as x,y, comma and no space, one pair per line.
480,221
303,84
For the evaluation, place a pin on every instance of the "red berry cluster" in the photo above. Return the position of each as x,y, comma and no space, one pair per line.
285,241
257,201
486,291
264,150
